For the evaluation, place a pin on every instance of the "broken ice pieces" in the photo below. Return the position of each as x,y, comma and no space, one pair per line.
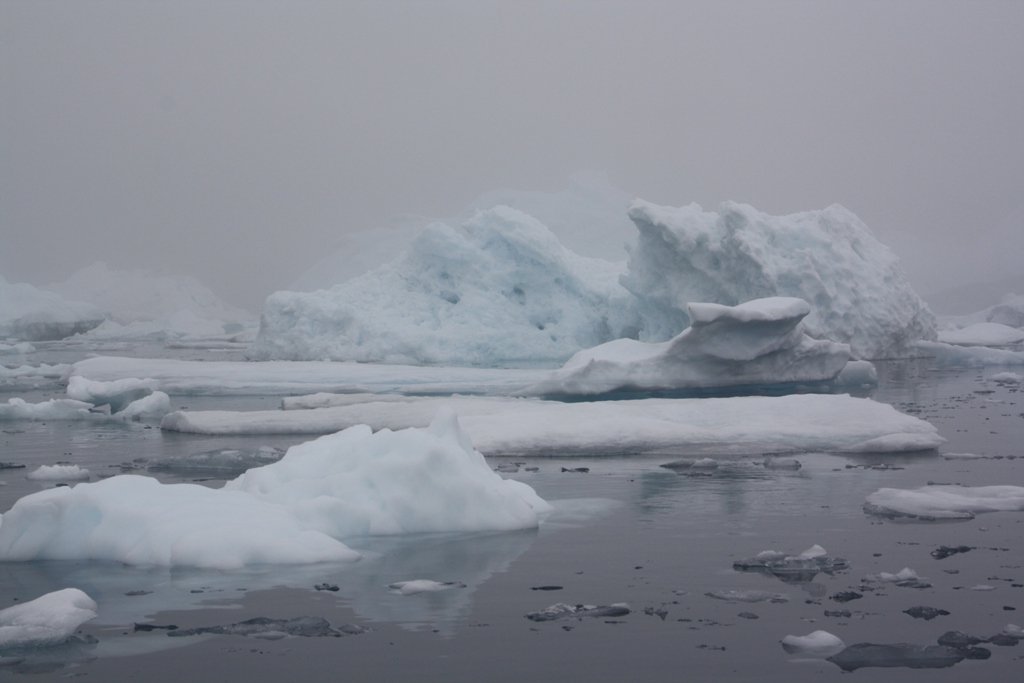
563,611
218,462
864,655
423,586
748,596
58,473
818,643
273,629
905,578
793,568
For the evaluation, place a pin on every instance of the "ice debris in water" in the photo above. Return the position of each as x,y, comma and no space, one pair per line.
748,596
944,501
864,655
46,621
58,473
926,613
271,629
417,586
905,578
563,611
1007,377
756,343
793,568
819,643
218,462
117,394
982,334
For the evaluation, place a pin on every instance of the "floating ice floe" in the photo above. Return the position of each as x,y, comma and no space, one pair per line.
417,586
31,314
1010,312
817,643
1007,377
982,334
58,371
509,426
863,655
944,501
501,290
58,473
299,510
755,343
969,356
284,378
748,596
117,394
46,621
217,462
563,611
905,578
153,406
856,288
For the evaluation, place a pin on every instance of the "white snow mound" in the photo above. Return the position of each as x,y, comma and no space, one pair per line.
820,643
298,510
759,342
856,288
502,290
46,621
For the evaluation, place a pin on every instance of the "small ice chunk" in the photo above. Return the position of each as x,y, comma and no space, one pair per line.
417,586
813,552
46,621
962,456
54,409
563,611
819,643
117,394
748,596
944,502
1007,377
156,405
59,473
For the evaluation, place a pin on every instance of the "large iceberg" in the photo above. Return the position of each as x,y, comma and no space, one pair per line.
139,303
501,290
854,284
30,314
760,342
299,510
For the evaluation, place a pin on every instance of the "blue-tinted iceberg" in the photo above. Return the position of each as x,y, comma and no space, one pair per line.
854,284
30,314
759,342
502,289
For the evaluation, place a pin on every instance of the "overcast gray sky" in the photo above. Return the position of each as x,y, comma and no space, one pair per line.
234,141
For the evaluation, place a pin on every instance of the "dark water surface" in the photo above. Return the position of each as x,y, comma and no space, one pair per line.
627,531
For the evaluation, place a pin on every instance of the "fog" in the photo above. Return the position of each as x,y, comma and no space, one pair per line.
236,142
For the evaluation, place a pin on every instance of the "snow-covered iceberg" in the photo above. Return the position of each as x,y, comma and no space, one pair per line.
854,284
982,334
46,621
756,343
1010,312
31,314
501,290
138,303
299,510
509,426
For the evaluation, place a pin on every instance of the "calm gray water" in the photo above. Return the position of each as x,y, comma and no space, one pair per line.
628,531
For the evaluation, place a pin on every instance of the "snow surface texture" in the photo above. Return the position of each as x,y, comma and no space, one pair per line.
854,284
982,334
509,426
139,303
504,290
30,314
759,342
342,486
945,501
46,621
969,356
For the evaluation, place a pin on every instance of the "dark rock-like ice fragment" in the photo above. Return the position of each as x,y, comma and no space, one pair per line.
944,551
864,655
958,639
926,613
847,596
563,611
299,626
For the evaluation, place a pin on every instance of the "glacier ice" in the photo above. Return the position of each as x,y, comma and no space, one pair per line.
46,621
502,290
854,284
511,426
346,485
759,342
31,314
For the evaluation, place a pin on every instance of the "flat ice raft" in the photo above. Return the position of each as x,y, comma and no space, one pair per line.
299,510
510,426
